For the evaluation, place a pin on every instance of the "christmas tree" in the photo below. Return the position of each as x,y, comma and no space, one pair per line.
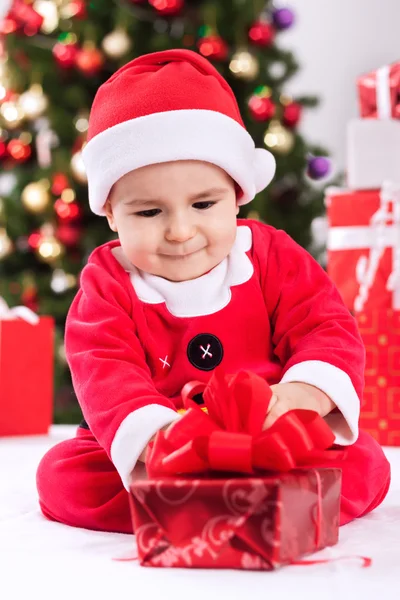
54,54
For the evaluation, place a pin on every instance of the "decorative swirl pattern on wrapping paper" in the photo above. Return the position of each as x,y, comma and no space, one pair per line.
229,436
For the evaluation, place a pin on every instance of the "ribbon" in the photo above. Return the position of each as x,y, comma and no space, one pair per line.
383,99
229,436
22,312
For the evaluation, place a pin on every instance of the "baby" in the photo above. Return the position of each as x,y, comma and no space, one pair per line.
187,287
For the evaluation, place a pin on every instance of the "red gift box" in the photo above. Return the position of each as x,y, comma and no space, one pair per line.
248,522
363,242
26,376
379,93
242,523
380,413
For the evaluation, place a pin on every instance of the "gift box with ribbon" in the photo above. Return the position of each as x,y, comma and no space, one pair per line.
373,141
380,412
364,246
223,493
26,371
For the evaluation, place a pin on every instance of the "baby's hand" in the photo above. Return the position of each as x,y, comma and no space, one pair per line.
288,396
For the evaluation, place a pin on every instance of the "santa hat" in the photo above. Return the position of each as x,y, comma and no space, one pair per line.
166,106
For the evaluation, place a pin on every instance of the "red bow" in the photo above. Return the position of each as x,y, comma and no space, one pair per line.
229,436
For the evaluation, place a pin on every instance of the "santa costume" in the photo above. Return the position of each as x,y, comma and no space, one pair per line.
133,339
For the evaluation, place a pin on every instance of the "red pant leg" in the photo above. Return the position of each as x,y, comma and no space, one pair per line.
365,478
78,485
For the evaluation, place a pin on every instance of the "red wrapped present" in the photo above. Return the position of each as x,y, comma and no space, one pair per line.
380,413
379,93
363,243
246,521
26,372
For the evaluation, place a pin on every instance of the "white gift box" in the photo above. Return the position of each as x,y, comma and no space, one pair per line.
373,153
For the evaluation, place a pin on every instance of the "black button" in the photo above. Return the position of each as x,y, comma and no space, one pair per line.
205,351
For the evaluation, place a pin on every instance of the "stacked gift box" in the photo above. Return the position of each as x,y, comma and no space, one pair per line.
364,245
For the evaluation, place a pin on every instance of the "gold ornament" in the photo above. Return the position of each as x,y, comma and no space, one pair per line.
5,243
68,195
81,122
278,139
33,102
62,281
49,12
78,168
117,43
244,65
49,249
35,196
12,114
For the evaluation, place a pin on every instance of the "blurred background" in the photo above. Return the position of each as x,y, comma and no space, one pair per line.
292,66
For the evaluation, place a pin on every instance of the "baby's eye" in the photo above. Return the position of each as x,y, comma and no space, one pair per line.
153,212
203,205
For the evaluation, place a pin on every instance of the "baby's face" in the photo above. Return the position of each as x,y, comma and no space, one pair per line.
176,220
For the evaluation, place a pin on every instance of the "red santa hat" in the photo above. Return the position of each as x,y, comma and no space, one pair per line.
166,106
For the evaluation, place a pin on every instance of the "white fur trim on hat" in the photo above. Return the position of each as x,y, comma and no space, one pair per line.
204,135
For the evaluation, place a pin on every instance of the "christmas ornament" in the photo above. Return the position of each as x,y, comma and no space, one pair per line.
34,240
65,54
59,183
49,12
12,114
30,297
291,114
69,235
117,43
25,17
318,167
213,47
19,151
262,34
68,195
49,249
67,212
62,281
81,122
5,243
261,107
167,7
244,65
33,102
89,59
278,139
74,9
35,196
78,168
283,18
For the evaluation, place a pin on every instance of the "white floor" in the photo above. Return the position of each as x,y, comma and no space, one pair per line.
49,561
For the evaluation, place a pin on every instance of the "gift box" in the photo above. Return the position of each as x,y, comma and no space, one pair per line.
242,523
26,373
379,93
373,153
380,413
363,243
223,493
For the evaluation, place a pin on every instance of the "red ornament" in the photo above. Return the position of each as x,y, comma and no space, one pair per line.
8,25
291,114
67,212
167,7
68,235
213,47
77,9
3,150
26,17
59,184
89,60
35,239
65,54
261,108
262,33
19,151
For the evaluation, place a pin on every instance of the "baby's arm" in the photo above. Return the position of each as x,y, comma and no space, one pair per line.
315,338
109,371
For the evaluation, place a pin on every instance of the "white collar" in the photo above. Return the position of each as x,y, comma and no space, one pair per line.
197,297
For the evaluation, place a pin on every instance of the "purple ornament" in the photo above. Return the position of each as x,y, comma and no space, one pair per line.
318,167
283,18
